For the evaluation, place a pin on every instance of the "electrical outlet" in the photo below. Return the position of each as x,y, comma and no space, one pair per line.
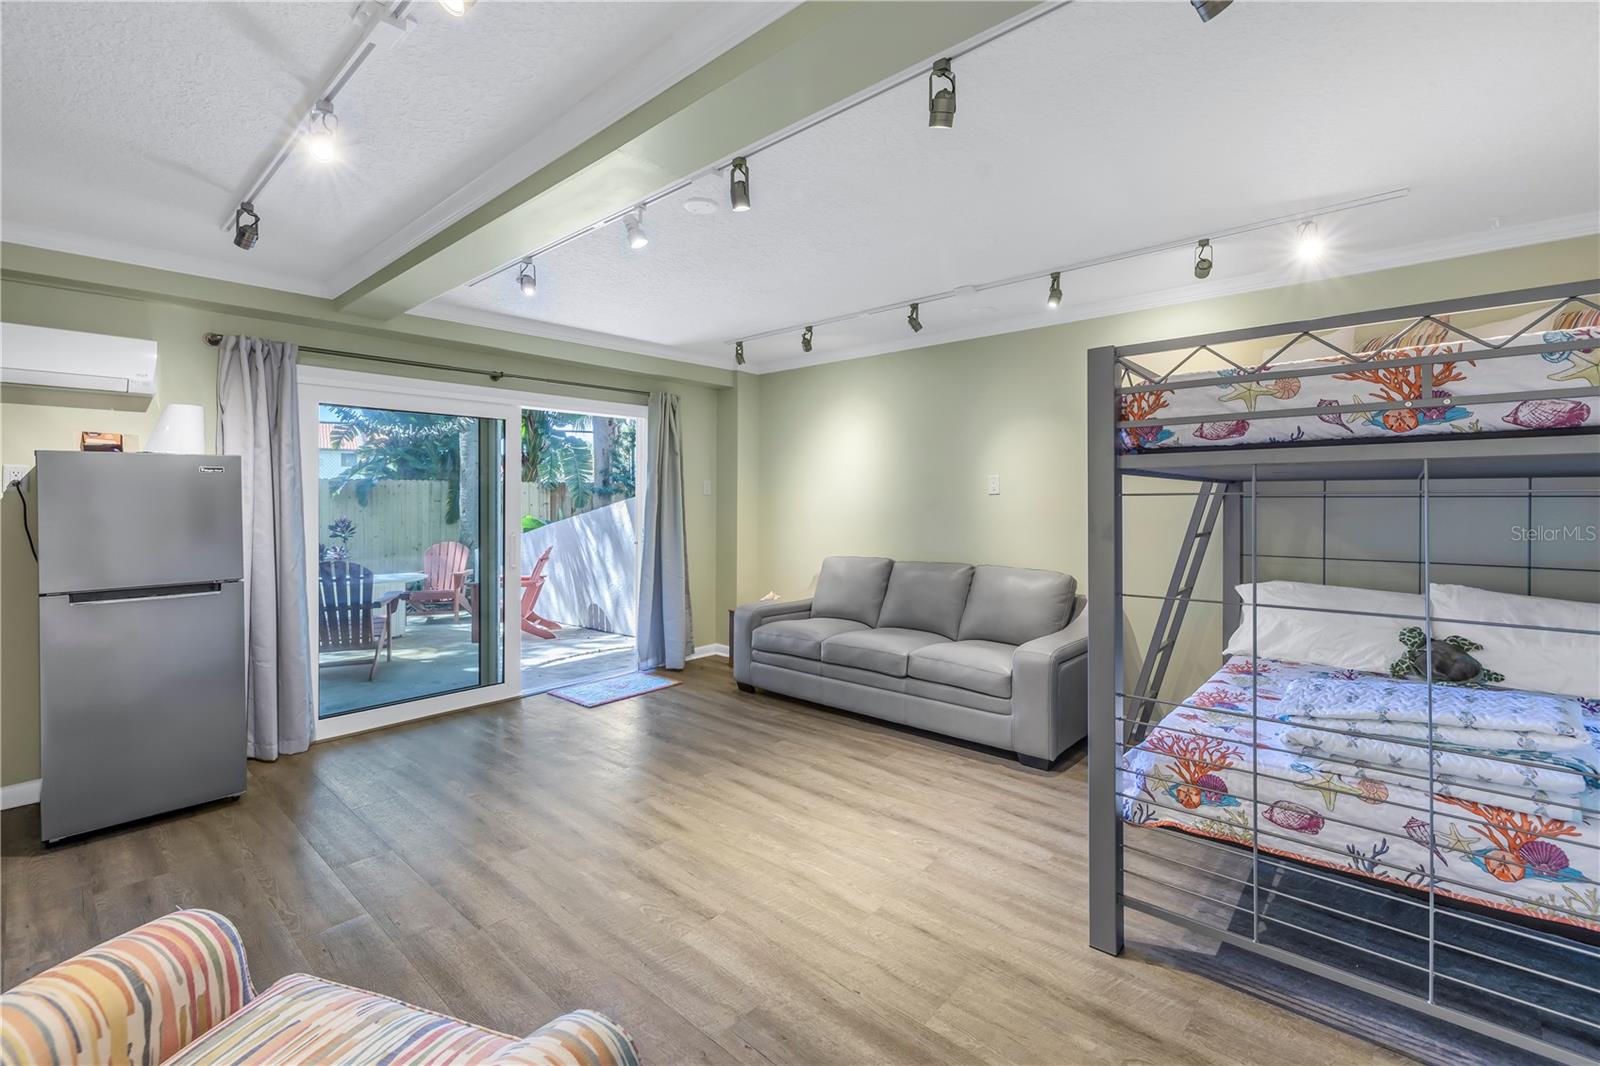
13,472
994,484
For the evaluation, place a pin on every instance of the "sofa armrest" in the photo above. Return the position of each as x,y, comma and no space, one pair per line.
1050,690
138,998
578,1036
749,617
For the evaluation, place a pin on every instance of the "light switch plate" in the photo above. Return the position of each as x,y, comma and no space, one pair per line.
994,484
706,489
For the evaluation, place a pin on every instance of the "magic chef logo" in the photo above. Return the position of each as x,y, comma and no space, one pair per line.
211,469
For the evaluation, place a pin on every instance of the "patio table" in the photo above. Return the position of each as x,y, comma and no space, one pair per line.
401,578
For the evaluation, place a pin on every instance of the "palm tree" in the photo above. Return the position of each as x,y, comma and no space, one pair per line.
401,446
558,454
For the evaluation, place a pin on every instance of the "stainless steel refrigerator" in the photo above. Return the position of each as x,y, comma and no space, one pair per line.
141,635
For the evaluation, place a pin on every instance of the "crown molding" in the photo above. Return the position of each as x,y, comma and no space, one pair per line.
1502,239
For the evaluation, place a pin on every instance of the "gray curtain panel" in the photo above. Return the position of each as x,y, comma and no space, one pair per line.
666,637
258,420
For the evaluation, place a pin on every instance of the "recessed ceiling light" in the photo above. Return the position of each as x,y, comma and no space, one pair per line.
700,205
456,7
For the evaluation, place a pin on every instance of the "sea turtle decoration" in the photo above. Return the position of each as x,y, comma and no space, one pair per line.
1452,663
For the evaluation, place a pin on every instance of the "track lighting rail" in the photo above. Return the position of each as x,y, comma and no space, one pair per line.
1116,257
382,26
995,34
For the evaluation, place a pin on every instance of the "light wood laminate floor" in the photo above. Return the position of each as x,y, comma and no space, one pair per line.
735,878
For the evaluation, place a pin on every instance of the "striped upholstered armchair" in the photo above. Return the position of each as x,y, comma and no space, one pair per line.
177,990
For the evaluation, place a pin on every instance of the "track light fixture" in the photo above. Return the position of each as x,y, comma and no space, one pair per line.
456,7
1309,244
528,278
1209,9
1202,259
738,352
246,234
322,132
634,224
739,184
1053,301
913,319
805,340
942,103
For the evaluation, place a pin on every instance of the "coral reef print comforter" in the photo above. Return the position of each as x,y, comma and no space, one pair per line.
1440,396
1490,843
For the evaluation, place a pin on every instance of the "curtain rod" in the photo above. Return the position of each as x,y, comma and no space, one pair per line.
215,339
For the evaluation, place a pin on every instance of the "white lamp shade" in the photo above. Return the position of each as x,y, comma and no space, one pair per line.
181,430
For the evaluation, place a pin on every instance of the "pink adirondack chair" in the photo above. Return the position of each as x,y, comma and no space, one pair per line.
532,585
445,586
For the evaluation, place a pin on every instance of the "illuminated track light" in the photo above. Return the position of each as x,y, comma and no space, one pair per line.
246,234
805,340
634,224
738,352
528,278
1309,244
457,8
1053,301
739,184
1209,9
1202,259
942,102
322,133
914,318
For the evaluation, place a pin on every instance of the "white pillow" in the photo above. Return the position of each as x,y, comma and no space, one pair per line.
1531,659
1342,641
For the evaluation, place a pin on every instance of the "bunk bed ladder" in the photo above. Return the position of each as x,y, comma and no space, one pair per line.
1169,623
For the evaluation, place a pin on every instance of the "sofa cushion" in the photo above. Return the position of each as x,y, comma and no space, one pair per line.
342,1024
851,586
883,651
926,596
1011,605
977,665
801,637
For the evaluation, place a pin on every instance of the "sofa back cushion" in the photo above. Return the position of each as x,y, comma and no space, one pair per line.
1012,605
851,586
926,596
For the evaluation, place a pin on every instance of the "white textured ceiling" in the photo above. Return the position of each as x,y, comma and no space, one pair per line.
1099,128
127,130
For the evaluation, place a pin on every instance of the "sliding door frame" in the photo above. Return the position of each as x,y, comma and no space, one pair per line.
321,385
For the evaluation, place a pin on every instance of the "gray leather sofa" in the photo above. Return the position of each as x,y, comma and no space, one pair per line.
992,654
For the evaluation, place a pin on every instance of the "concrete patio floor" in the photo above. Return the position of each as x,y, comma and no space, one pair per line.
437,655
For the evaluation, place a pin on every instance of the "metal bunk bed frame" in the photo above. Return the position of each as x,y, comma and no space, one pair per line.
1229,479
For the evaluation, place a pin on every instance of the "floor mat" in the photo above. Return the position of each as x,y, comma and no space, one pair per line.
611,689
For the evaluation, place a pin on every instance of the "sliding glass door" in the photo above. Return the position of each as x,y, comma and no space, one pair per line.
406,486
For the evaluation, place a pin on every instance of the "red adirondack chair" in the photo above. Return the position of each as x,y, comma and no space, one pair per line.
532,585
447,566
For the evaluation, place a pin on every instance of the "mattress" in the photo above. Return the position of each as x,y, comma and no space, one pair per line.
1193,772
1235,412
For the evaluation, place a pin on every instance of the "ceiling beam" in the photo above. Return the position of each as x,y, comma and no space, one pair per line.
814,58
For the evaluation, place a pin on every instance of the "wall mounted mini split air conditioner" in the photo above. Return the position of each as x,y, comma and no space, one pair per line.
71,361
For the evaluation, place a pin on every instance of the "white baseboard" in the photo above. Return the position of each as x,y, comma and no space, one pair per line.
19,795
705,651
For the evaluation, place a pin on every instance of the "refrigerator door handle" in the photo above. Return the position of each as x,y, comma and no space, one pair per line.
171,592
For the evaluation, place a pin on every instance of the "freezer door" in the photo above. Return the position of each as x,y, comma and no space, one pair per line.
142,705
112,520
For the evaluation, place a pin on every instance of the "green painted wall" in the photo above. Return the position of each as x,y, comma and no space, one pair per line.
70,292
888,455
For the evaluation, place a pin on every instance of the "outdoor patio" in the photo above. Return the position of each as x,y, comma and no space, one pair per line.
437,655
